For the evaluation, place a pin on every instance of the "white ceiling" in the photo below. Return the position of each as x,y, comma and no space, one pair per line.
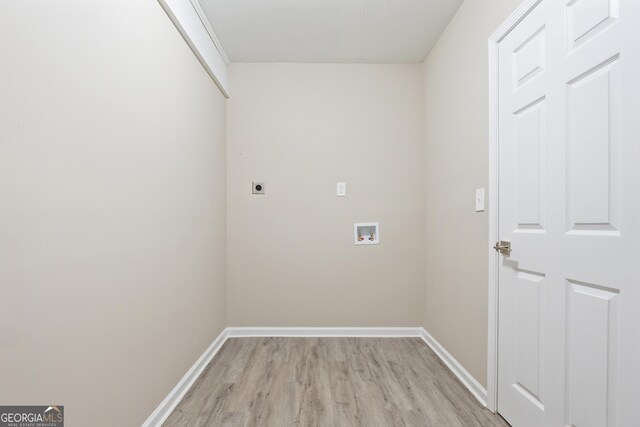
368,31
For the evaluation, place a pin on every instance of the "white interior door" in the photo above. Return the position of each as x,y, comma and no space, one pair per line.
569,203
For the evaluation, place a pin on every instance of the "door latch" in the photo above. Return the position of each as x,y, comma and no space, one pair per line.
503,247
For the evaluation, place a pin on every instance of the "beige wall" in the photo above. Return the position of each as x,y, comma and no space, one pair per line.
302,128
456,163
112,208
115,200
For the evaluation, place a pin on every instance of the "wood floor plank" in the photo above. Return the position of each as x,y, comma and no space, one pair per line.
349,382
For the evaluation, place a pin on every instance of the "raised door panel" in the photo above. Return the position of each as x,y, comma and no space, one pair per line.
530,171
529,337
529,58
587,18
592,150
592,353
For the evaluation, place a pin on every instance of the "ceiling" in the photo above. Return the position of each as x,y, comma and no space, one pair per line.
366,31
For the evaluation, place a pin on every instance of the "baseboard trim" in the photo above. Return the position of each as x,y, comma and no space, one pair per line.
237,332
458,370
175,396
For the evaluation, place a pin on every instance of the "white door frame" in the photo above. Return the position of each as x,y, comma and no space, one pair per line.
492,340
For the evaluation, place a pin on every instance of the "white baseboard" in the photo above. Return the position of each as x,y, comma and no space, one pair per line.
236,332
458,370
175,396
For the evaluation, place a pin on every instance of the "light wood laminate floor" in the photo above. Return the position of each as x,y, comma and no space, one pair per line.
329,382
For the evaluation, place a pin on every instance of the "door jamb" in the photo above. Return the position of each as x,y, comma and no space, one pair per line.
492,337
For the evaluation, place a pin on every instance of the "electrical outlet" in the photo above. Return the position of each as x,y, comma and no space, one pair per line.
257,187
341,189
